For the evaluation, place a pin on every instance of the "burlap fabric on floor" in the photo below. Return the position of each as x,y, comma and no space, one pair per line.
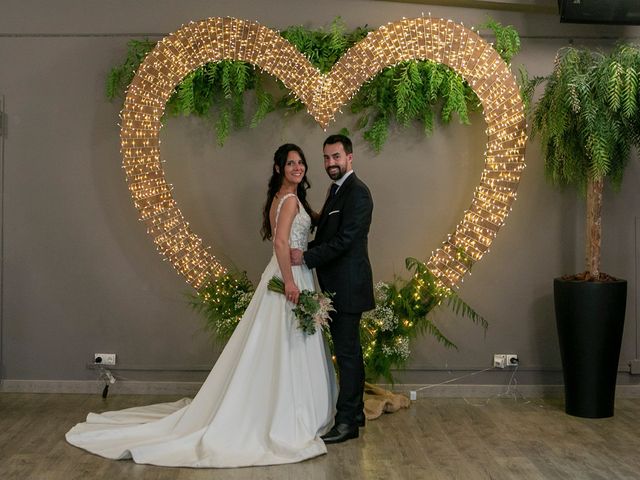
378,401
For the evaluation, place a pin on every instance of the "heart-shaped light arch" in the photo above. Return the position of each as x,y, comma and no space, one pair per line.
423,38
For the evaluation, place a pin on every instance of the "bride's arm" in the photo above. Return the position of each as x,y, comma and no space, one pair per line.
281,247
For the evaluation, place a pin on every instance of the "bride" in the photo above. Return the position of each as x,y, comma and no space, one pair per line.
270,394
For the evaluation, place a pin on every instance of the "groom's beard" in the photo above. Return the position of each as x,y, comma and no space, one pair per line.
335,172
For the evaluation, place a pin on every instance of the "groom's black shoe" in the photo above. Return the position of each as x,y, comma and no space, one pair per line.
360,419
341,433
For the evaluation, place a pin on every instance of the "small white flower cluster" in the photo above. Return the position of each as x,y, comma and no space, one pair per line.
400,348
243,299
382,316
227,323
380,290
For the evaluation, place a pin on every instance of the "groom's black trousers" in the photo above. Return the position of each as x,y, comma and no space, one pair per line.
345,333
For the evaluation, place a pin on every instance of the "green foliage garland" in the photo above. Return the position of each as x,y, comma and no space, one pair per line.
404,94
401,314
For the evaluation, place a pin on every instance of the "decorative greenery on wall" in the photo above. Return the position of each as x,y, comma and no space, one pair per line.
409,93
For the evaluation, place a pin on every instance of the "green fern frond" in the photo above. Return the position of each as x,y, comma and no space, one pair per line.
113,83
223,126
186,101
430,328
630,93
338,42
240,76
457,100
404,94
438,75
462,309
597,149
265,105
225,78
120,77
451,92
507,42
527,86
427,120
377,134
211,72
204,93
614,90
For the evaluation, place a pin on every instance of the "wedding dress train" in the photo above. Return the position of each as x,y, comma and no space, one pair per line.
266,401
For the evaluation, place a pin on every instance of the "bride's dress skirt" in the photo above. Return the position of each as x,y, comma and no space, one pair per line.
266,401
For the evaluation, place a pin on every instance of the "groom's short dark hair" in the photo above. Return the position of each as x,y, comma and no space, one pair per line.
343,139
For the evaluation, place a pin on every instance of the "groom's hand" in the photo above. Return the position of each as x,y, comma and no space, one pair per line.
296,256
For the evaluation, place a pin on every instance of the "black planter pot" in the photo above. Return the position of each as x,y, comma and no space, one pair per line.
590,320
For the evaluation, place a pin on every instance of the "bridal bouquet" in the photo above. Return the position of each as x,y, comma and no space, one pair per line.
312,310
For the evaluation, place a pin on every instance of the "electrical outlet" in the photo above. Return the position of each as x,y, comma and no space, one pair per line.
499,360
512,360
104,358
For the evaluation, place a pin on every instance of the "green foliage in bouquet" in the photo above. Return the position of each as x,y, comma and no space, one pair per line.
413,92
313,308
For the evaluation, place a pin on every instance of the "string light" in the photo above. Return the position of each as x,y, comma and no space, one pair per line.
422,38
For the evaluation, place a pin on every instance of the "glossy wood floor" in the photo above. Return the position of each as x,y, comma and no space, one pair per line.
437,438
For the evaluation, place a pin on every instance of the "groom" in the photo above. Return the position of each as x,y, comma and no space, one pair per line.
339,255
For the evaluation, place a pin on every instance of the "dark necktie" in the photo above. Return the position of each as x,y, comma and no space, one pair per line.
334,189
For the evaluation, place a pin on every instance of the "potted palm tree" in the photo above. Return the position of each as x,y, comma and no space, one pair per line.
587,120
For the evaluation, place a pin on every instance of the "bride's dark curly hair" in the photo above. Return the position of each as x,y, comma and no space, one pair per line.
275,182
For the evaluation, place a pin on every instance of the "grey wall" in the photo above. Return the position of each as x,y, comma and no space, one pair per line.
81,275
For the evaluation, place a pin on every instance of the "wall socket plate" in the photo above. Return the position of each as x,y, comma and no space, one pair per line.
504,360
104,358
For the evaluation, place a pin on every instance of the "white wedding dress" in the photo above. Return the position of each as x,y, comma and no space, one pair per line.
267,400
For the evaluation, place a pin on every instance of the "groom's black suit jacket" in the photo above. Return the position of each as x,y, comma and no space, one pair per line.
339,250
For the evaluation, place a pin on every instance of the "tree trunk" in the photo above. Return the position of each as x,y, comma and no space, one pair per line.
594,226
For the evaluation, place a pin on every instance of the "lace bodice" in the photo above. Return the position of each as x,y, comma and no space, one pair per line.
299,235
